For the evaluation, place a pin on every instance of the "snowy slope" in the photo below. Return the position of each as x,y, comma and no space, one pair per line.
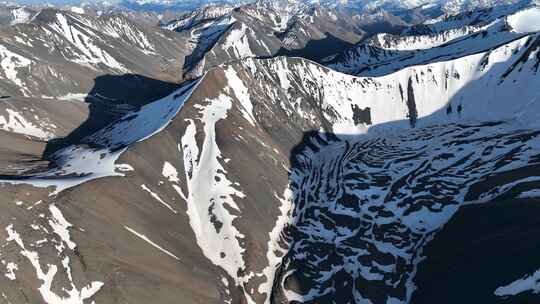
525,21
263,29
384,55
482,16
21,15
60,53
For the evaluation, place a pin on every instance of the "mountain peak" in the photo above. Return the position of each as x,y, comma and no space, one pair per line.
281,5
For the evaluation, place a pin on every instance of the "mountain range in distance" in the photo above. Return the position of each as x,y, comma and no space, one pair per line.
351,152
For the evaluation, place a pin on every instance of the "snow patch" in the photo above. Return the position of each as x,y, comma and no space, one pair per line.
527,283
47,276
170,172
144,238
17,123
157,198
11,64
20,15
10,271
77,10
238,42
241,92
526,21
60,226
211,195
535,193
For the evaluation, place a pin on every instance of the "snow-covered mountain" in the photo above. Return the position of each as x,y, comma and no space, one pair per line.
15,14
318,29
68,40
402,170
386,53
164,5
219,34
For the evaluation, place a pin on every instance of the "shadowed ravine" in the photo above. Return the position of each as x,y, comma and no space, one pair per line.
111,97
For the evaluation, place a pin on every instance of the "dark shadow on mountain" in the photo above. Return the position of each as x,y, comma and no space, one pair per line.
419,14
112,97
383,27
205,43
482,248
316,50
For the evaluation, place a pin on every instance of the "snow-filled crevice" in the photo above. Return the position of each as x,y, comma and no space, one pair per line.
211,196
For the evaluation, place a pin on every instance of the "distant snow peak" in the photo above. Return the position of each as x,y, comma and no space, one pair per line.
285,9
77,10
457,6
143,2
403,4
20,15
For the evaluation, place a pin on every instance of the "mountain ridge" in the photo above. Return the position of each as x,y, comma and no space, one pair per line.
277,180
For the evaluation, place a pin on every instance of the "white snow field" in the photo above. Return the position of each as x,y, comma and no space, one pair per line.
526,21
